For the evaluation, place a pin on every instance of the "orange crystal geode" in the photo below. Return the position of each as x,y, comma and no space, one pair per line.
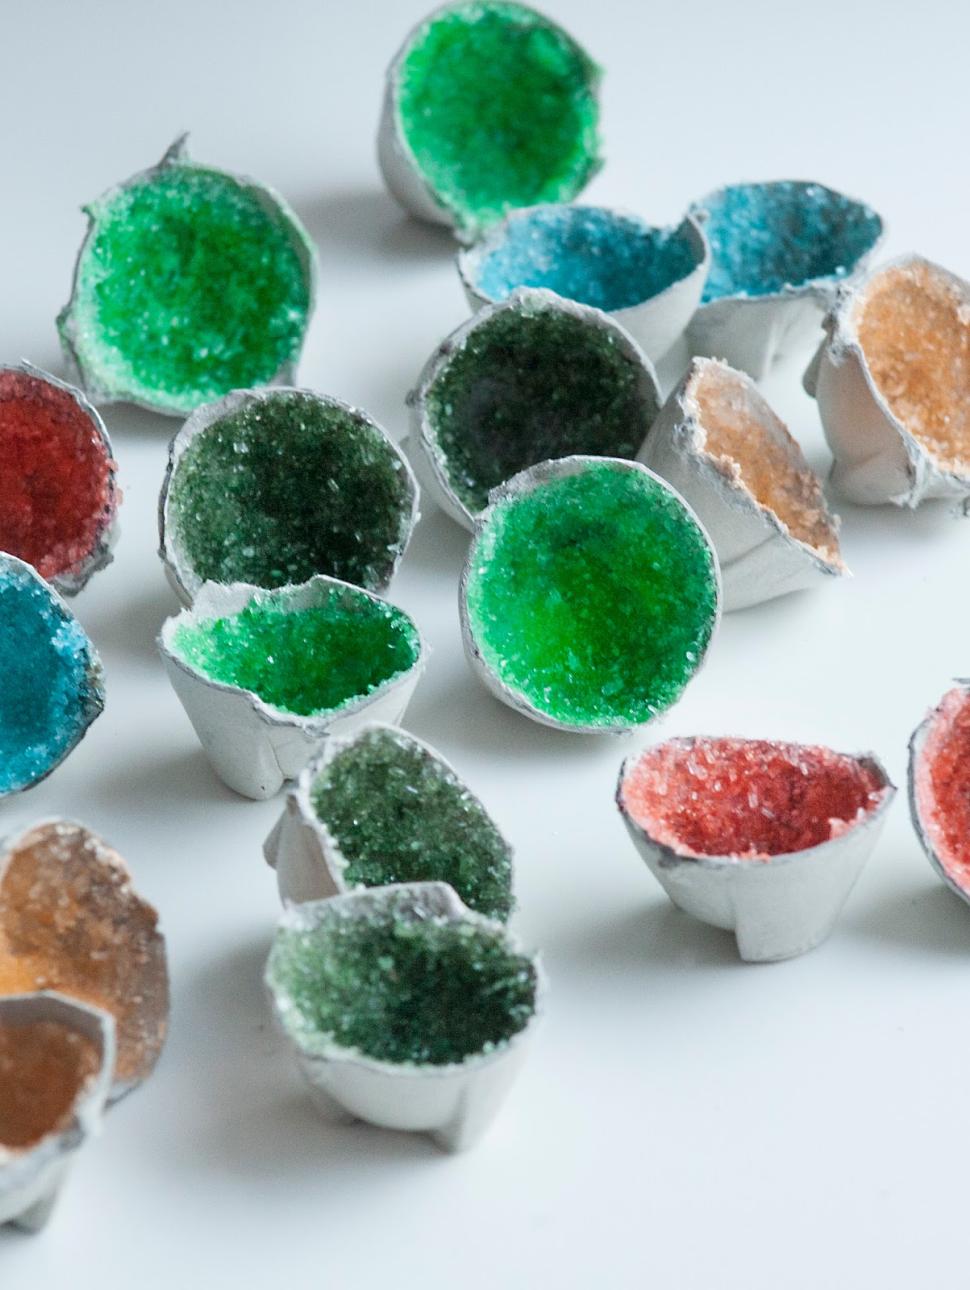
70,921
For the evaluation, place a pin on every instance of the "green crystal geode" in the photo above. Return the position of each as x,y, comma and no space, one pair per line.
286,485
306,661
498,107
400,987
191,282
399,814
593,596
532,381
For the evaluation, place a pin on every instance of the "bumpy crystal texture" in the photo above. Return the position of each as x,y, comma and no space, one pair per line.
498,106
51,689
398,814
767,236
942,786
593,596
57,479
397,988
191,283
70,921
44,1065
288,486
304,661
747,798
913,323
530,383
586,253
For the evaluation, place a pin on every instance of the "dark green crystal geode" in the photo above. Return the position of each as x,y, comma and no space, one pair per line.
498,106
531,382
191,283
398,814
593,597
305,661
397,987
287,486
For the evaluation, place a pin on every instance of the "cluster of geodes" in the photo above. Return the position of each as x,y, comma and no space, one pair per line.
395,812
393,987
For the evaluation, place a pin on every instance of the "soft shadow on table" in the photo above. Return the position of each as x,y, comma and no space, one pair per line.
926,920
182,778
257,1112
368,222
130,629
654,935
438,548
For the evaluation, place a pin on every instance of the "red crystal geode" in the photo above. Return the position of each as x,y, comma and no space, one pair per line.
749,799
941,785
57,482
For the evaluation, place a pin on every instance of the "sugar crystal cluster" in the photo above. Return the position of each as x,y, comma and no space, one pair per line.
44,1065
593,596
51,689
191,283
747,798
286,486
399,814
767,236
498,107
531,383
403,988
585,253
70,921
941,786
308,660
57,481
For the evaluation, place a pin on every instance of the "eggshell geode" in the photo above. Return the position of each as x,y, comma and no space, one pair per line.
939,787
892,383
722,447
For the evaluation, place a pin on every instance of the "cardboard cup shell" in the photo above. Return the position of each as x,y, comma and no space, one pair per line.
518,486
752,333
101,554
267,198
179,570
307,858
399,167
776,908
427,455
917,745
453,1103
760,559
30,1178
255,747
877,459
654,323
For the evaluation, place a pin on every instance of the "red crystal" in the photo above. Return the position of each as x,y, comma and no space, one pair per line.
942,783
747,798
57,488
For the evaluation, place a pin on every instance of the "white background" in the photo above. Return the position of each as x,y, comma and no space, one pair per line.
684,1121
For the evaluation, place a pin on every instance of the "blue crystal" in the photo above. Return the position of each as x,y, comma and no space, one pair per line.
767,236
586,253
51,689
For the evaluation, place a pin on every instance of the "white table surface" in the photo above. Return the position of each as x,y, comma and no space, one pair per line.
684,1121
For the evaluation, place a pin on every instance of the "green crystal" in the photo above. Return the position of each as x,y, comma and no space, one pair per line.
288,486
305,661
593,596
398,814
498,106
401,987
529,383
191,283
